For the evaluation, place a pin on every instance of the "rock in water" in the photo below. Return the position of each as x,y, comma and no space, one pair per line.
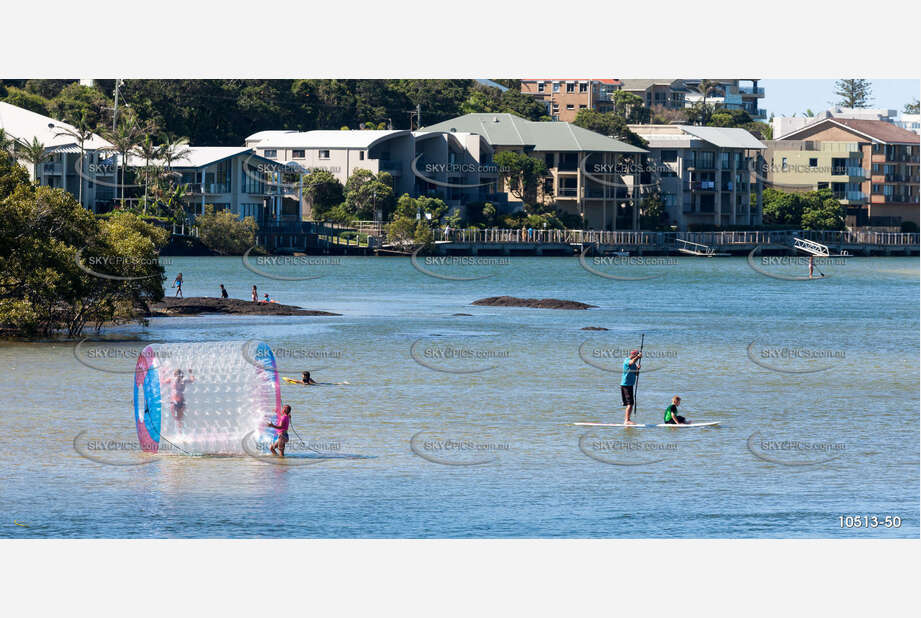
534,303
194,305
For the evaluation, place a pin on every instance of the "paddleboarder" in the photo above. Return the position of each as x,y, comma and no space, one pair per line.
628,383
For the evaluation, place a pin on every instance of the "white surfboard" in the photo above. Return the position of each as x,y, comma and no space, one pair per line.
641,425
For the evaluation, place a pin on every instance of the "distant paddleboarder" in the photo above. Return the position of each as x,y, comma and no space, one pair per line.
628,383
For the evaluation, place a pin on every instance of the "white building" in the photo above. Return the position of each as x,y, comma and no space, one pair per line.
63,167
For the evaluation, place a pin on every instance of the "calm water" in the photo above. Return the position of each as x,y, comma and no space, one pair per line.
713,330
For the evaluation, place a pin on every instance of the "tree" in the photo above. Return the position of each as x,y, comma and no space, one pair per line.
489,99
913,107
699,113
401,230
33,152
149,151
224,233
821,211
608,123
708,87
854,92
324,192
53,251
124,137
522,174
365,193
27,100
81,133
81,104
423,237
630,107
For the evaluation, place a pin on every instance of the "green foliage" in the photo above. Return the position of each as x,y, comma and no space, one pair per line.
699,113
854,92
324,191
522,173
814,210
27,100
913,108
76,105
11,175
225,233
401,230
48,242
365,192
481,214
423,237
630,107
487,99
611,124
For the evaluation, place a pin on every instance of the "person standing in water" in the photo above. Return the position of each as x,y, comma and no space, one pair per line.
178,285
628,383
282,431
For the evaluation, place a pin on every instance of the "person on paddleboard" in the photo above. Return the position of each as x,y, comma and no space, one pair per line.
671,413
628,383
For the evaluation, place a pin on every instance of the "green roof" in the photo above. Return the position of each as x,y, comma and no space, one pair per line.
513,131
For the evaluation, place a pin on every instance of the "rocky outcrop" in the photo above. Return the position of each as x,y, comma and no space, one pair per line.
196,305
533,303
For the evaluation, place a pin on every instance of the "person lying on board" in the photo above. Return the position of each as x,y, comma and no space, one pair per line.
671,413
306,380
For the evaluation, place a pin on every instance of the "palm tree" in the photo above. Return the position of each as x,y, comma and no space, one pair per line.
174,149
81,134
124,137
148,150
34,152
706,87
6,143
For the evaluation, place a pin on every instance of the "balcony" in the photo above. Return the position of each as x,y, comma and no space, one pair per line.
850,196
391,167
568,192
751,90
851,172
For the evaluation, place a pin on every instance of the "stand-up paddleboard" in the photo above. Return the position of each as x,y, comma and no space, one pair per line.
293,381
641,425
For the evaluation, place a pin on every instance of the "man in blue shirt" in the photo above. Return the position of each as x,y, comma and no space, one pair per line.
628,382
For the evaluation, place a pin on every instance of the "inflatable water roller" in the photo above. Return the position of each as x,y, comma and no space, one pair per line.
205,398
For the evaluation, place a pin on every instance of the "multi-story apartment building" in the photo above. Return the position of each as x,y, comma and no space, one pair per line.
871,165
234,179
455,166
565,97
588,172
783,125
667,93
705,174
63,167
730,94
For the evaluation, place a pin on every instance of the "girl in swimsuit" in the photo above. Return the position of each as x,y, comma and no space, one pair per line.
178,284
282,430
177,395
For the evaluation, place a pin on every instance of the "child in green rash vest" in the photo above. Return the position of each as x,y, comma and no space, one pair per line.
671,413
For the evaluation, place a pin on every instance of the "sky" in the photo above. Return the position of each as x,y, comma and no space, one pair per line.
784,97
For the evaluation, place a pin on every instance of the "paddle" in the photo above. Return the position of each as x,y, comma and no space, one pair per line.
636,383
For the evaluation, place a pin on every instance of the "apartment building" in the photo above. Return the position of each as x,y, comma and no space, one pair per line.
565,97
667,93
234,179
784,125
730,94
63,168
870,165
588,172
705,174
453,166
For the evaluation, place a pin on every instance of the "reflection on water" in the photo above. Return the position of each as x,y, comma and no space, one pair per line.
699,322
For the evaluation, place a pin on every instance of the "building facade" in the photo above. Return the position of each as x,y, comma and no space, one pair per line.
590,175
870,165
565,97
731,94
705,175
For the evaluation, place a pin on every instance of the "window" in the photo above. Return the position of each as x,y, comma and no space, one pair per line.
570,88
252,179
556,86
540,86
361,155
583,87
250,210
297,154
582,106
705,159
783,163
813,162
570,106
669,156
323,154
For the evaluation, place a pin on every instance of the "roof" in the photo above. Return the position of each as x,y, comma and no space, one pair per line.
721,137
198,156
512,130
644,84
875,130
323,139
27,125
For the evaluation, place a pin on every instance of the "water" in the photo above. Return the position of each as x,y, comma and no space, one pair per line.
854,420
